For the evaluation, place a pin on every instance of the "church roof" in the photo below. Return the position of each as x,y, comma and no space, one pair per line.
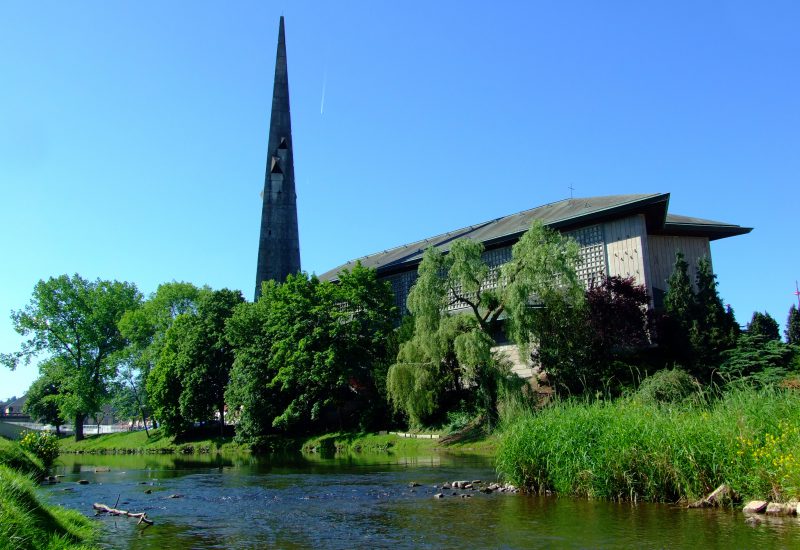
563,215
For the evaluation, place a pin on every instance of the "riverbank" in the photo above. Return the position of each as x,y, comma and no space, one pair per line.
629,450
141,442
345,442
26,521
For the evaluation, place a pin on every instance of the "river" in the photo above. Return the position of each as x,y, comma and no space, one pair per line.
368,501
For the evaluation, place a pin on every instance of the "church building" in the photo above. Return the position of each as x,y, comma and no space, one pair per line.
625,235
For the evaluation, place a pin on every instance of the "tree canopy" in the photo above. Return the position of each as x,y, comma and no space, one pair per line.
74,322
306,349
146,330
191,374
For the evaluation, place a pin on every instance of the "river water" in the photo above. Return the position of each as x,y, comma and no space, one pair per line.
367,502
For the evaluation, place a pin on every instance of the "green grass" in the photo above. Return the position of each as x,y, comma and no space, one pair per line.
140,442
347,442
628,450
15,458
362,443
25,520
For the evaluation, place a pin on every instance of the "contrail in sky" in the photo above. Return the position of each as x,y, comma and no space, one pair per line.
324,83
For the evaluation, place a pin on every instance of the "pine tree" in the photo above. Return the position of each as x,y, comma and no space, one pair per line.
711,332
793,326
680,298
763,325
675,324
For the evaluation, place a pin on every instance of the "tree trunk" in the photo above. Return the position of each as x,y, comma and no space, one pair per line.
58,430
79,417
222,420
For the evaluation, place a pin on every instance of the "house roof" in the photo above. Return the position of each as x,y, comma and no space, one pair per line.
563,215
17,404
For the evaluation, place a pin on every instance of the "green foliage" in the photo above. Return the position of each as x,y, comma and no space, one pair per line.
189,380
145,328
307,352
44,396
668,386
679,302
43,445
793,326
763,325
74,321
629,450
713,330
448,359
757,359
543,297
27,522
695,329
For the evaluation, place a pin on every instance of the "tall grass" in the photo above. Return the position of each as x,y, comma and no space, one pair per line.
26,521
631,450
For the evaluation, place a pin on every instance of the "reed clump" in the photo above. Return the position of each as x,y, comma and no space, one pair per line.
634,449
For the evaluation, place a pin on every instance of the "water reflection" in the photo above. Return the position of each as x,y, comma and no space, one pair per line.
243,501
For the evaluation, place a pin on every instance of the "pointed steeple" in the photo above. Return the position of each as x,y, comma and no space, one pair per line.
279,243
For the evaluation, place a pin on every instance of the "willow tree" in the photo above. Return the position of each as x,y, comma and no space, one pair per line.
449,357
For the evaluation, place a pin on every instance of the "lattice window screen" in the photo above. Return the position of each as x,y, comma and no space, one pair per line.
593,253
401,285
592,267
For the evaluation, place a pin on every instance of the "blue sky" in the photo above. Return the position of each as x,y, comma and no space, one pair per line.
133,134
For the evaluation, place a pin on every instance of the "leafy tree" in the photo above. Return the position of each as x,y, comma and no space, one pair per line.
762,324
44,396
614,331
306,348
537,290
189,379
146,328
793,326
617,316
75,322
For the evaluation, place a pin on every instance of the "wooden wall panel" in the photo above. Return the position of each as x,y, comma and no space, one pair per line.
626,248
662,250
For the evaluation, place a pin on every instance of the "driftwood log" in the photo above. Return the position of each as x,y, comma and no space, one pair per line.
103,509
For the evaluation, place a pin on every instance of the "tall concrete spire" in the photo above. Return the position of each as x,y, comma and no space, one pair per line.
279,243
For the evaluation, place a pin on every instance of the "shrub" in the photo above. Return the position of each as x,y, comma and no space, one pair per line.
42,445
627,450
668,386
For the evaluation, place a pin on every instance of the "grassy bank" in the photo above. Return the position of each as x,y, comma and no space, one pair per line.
140,442
353,443
627,450
12,456
25,520
345,442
